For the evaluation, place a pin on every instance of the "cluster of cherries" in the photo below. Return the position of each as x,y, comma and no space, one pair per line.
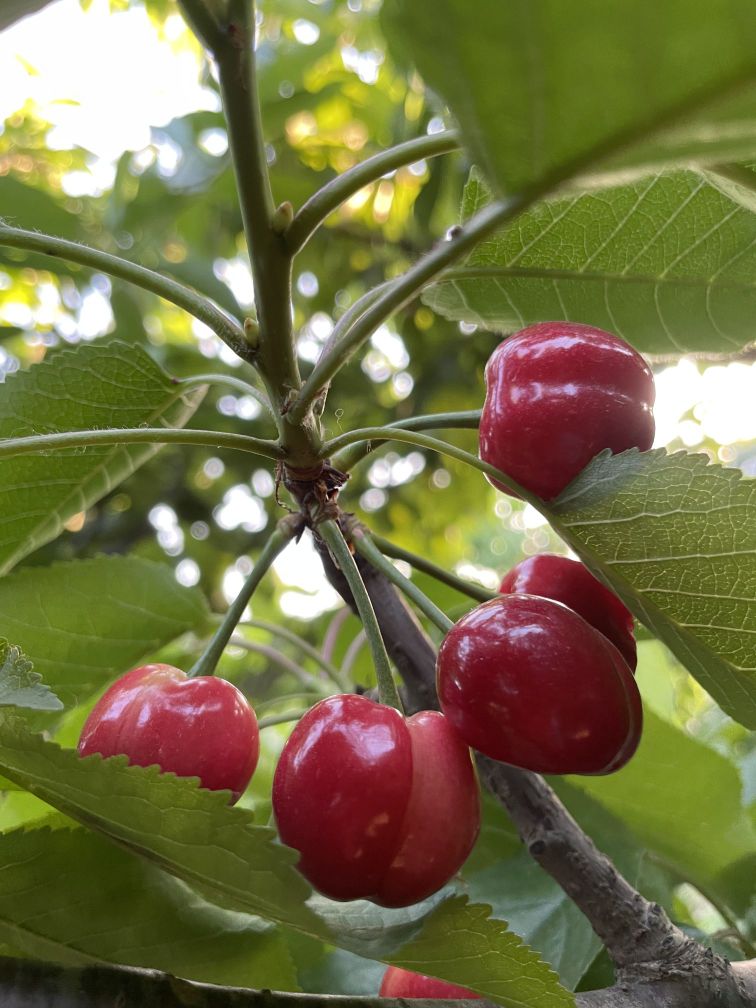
541,677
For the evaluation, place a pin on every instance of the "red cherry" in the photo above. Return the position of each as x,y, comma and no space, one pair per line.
527,681
379,808
401,983
557,393
200,727
571,583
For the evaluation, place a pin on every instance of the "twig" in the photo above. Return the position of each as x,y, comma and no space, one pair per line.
201,307
332,195
42,444
657,965
29,983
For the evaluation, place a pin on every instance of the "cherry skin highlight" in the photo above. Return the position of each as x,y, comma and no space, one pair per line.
558,393
402,983
527,681
202,727
571,583
379,807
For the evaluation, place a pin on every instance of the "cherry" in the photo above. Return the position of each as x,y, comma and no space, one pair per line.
401,983
570,582
557,394
379,807
527,681
202,727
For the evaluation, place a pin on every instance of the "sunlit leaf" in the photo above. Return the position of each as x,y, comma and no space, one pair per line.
548,90
58,889
675,537
93,386
195,836
20,686
667,263
84,622
713,840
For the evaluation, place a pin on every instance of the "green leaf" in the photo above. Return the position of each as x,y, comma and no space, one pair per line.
19,685
194,835
533,904
58,889
93,386
84,622
547,90
675,538
461,942
36,210
189,831
713,840
668,263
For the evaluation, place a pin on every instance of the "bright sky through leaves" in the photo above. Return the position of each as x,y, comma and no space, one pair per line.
90,93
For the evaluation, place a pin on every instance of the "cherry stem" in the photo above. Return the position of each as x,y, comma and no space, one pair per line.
367,548
283,633
276,657
432,444
462,420
427,567
45,444
274,719
338,190
224,326
233,382
331,635
208,660
351,654
333,537
401,291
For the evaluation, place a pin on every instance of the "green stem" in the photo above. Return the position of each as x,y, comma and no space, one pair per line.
351,653
43,443
235,383
279,538
299,642
201,21
312,214
200,307
403,290
351,315
333,538
275,357
433,444
310,682
465,419
274,719
366,548
439,573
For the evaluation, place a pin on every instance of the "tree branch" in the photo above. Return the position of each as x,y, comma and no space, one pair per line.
29,983
657,965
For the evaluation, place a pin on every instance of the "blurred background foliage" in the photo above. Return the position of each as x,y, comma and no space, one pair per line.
331,97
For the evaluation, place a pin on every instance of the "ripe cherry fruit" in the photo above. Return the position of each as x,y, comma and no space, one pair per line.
571,583
201,727
527,681
379,807
401,983
557,393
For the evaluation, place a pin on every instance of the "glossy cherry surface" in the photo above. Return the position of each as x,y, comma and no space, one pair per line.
379,807
202,727
570,582
557,393
527,681
401,983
